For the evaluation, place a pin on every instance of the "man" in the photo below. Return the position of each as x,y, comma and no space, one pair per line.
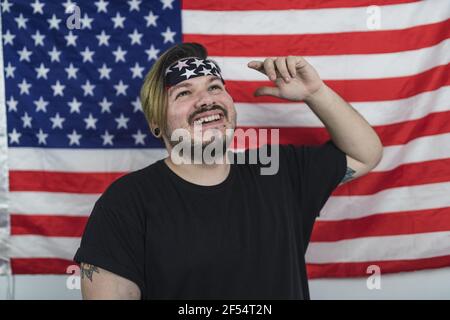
219,230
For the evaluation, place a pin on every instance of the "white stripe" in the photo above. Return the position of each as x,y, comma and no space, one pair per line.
409,198
417,150
376,113
406,247
393,17
403,247
421,149
52,203
348,67
26,246
83,160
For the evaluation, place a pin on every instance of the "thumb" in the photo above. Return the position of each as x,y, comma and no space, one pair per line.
267,91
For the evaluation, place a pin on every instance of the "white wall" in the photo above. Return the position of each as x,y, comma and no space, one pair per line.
429,284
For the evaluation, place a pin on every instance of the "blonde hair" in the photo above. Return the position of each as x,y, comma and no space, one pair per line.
153,93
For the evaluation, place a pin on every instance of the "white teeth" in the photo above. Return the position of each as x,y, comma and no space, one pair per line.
207,119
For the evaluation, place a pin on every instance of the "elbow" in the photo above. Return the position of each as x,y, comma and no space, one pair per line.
377,156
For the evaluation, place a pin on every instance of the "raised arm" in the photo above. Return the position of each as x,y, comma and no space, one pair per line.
99,284
297,80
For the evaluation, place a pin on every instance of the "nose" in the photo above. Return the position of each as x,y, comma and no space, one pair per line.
204,99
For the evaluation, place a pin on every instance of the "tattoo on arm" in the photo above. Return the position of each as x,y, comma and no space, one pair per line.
87,270
349,174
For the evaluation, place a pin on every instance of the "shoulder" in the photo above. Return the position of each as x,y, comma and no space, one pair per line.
132,184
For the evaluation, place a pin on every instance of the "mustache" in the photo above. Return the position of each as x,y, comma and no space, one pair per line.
208,108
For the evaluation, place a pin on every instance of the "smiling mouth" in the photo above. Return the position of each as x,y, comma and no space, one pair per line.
208,119
214,114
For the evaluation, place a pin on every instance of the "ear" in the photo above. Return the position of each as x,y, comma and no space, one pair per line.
156,130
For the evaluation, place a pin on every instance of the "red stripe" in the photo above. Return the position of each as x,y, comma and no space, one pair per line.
406,175
359,269
40,265
356,90
331,270
392,134
385,224
232,5
363,42
51,226
85,183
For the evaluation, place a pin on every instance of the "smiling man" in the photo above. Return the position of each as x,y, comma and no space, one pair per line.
197,230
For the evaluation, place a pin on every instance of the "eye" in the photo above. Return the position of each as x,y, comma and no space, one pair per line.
215,86
182,93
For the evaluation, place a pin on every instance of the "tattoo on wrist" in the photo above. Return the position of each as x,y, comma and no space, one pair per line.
87,270
348,174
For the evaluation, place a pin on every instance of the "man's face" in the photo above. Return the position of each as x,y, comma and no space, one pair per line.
200,102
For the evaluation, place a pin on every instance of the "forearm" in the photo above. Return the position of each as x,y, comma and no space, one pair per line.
349,131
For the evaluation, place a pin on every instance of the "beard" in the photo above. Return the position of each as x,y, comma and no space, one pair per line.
211,142
203,148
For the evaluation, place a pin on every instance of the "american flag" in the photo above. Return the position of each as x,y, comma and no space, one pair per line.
74,124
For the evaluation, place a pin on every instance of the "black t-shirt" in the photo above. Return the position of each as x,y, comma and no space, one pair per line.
244,238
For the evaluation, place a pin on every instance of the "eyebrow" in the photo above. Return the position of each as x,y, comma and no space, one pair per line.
181,85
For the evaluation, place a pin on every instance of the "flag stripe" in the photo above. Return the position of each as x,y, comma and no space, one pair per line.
287,22
388,224
25,246
344,43
52,203
40,265
51,226
410,246
343,67
425,172
82,160
337,208
383,248
376,113
89,183
238,5
82,183
359,269
399,199
397,133
77,161
356,90
407,222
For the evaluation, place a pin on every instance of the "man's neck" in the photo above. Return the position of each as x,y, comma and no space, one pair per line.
201,174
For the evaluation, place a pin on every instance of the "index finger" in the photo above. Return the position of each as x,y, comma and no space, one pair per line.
257,65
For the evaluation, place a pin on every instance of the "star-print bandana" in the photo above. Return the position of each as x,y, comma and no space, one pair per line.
188,68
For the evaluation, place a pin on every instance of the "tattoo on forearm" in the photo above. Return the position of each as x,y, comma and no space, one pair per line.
88,271
349,174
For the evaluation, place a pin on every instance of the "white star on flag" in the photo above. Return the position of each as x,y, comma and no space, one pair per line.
41,105
122,121
74,138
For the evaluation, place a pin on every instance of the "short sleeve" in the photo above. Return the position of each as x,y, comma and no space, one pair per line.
114,238
316,171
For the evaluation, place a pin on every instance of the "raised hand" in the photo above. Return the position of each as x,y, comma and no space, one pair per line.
294,77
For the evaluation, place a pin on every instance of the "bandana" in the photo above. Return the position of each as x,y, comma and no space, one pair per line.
188,68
